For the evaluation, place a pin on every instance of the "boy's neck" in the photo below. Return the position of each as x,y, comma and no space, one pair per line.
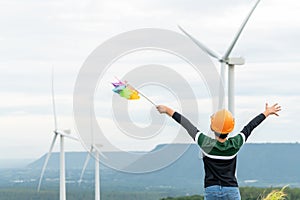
221,140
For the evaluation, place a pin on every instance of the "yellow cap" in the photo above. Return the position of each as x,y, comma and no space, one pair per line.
222,122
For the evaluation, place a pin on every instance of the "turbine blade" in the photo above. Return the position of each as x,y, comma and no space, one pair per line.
99,151
53,100
85,164
102,155
202,46
46,161
227,53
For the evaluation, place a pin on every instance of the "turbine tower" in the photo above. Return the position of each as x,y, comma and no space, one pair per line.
226,60
95,148
62,134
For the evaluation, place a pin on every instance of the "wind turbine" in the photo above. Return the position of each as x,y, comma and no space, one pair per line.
95,148
226,60
62,134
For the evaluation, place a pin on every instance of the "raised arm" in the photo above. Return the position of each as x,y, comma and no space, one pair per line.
273,110
191,129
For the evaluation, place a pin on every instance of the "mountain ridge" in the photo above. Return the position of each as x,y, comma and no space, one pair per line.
258,165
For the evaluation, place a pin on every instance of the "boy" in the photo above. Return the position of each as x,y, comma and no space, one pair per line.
219,154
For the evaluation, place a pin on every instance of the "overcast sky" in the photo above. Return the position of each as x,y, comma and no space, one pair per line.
38,35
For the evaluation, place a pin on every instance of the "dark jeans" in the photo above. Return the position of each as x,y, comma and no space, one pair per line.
218,192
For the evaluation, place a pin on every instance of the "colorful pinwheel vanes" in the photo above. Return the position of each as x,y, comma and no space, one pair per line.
124,90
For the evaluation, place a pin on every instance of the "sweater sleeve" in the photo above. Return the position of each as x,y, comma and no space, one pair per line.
252,125
185,123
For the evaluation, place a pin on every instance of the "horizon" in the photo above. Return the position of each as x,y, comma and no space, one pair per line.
32,159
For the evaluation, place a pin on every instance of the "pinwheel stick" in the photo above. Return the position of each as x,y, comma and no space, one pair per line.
142,95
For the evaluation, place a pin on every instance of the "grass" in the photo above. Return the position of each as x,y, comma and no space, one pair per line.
276,195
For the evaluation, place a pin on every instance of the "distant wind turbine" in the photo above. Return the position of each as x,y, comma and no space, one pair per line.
226,60
62,134
95,149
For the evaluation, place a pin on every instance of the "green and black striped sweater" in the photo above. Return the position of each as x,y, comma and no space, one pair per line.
219,158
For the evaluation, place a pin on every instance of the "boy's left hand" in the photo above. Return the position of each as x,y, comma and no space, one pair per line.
272,110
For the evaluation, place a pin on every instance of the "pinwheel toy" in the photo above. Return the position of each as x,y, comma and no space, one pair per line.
128,92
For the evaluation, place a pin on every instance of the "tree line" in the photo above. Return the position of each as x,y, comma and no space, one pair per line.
253,193
247,193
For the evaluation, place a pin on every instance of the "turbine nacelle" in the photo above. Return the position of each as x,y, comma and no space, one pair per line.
65,133
62,132
235,61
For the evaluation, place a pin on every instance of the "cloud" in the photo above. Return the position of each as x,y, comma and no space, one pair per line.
29,136
75,25
274,78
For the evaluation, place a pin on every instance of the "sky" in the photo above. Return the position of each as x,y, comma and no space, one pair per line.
37,36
